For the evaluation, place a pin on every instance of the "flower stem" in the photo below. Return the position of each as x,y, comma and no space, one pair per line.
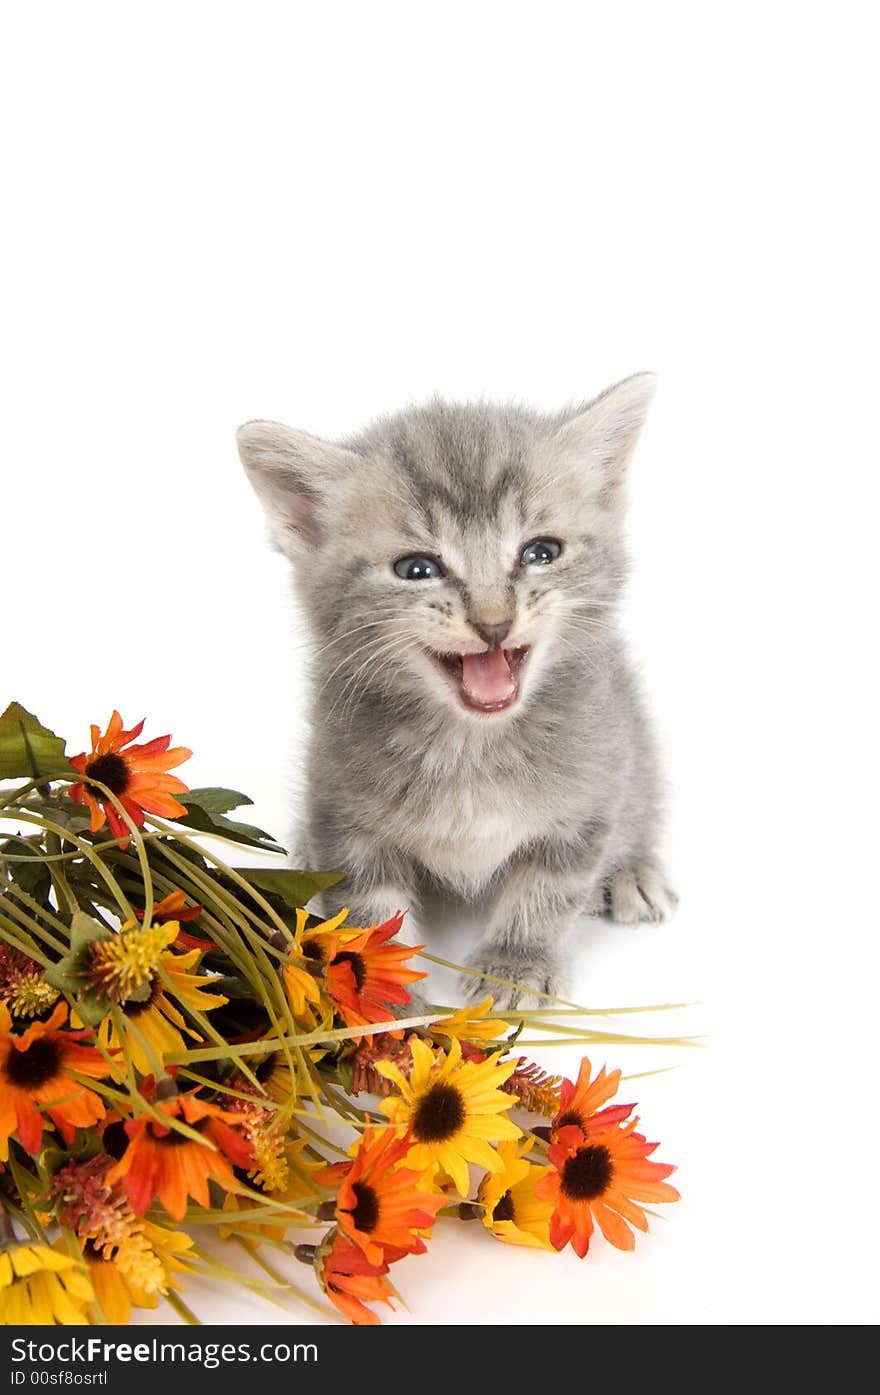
63,894
88,851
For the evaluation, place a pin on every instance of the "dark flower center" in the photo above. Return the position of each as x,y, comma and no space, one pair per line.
91,1251
111,770
312,950
114,1140
588,1174
358,968
175,1139
32,1068
504,1210
366,1212
133,1008
570,1117
265,1068
439,1114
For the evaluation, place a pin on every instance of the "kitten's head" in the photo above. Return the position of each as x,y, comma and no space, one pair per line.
463,555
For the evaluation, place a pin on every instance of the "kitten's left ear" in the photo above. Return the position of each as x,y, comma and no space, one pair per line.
603,435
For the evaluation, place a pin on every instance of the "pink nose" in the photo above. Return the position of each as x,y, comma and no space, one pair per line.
494,634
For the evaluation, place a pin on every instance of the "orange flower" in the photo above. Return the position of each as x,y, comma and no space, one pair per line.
367,975
160,1161
601,1179
138,777
351,1281
34,1071
174,907
381,1205
579,1103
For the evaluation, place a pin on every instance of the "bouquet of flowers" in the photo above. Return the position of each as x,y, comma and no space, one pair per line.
183,1047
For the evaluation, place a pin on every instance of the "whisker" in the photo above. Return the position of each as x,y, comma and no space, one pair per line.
395,645
350,706
348,658
386,613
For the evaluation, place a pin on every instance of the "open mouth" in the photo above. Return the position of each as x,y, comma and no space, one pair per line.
487,682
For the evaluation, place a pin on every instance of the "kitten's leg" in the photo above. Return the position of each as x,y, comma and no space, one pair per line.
524,942
539,903
378,884
639,893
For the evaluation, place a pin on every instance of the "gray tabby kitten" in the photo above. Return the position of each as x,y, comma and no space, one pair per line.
477,730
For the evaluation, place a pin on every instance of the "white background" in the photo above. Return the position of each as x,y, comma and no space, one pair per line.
215,212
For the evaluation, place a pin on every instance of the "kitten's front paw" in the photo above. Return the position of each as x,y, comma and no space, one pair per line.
635,894
531,977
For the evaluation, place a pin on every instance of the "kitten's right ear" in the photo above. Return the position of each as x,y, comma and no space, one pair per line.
296,477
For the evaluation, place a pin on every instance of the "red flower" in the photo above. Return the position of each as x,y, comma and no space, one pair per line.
351,1281
380,1205
579,1103
35,1070
367,975
137,776
174,907
601,1178
161,1161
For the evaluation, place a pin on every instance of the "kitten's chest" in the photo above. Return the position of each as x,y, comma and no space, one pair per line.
463,827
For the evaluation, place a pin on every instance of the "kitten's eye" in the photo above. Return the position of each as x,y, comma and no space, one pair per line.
417,568
540,552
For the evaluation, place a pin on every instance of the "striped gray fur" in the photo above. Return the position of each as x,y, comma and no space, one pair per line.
542,812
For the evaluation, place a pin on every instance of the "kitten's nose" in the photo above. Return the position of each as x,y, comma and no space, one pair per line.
494,634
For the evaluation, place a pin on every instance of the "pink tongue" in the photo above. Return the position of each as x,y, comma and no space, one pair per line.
486,678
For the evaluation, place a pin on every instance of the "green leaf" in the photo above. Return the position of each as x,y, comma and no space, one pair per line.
33,875
231,986
345,1072
293,887
216,799
28,750
83,930
63,810
69,972
157,851
206,813
92,1006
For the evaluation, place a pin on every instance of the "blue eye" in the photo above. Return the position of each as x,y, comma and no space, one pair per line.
418,568
540,552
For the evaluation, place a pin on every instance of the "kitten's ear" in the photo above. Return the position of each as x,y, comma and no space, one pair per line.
296,477
603,435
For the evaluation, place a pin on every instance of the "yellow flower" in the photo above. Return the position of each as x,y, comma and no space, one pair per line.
111,1290
137,1271
303,994
31,997
327,931
512,1211
154,1016
125,965
307,1003
281,1080
297,1186
39,1288
470,1022
453,1109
